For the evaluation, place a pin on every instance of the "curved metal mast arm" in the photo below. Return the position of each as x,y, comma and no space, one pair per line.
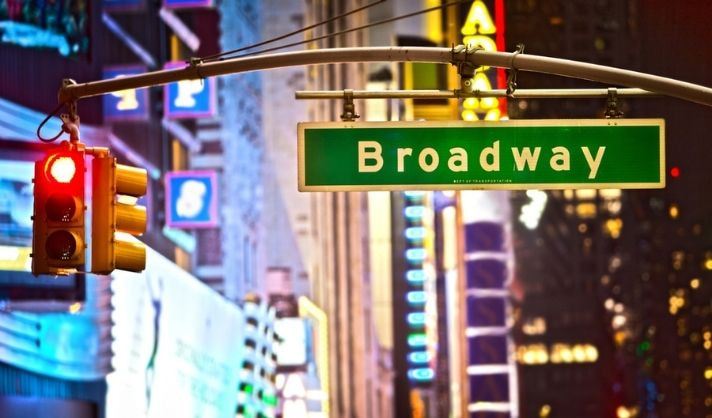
523,62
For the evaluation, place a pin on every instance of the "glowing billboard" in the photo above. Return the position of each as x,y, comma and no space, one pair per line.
178,345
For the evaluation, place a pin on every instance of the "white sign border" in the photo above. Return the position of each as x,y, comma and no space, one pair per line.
302,126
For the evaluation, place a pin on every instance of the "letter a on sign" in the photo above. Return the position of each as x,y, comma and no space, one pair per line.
479,21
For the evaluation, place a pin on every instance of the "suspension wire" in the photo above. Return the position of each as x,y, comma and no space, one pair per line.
287,35
343,32
39,128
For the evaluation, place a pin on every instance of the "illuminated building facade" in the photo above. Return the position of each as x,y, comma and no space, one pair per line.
140,129
419,274
414,300
339,268
621,271
673,347
488,381
569,270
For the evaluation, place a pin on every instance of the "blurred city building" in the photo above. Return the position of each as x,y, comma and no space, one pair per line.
340,275
569,244
615,276
259,300
201,143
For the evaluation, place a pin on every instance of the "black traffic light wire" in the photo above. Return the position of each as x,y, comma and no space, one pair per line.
217,56
39,128
221,57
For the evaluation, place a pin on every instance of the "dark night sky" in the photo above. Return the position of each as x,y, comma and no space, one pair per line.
676,42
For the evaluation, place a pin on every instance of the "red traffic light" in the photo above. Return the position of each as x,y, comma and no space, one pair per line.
675,172
61,168
58,215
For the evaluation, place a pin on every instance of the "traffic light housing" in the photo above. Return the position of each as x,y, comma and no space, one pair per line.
115,189
58,215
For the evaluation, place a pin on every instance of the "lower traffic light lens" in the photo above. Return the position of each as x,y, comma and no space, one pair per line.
61,245
61,207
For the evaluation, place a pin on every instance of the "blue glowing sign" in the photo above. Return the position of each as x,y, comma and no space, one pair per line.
419,357
59,25
417,297
122,5
184,4
416,318
191,199
421,374
417,340
414,211
189,98
416,254
415,233
125,104
415,276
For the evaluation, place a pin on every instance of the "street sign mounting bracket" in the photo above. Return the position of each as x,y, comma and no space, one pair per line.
349,114
596,93
612,110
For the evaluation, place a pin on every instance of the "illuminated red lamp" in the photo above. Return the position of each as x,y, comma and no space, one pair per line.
675,172
62,168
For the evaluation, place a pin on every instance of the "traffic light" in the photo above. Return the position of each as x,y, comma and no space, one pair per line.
115,189
58,216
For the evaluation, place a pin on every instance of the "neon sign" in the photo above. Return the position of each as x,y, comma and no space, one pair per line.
189,98
491,372
418,254
478,29
125,104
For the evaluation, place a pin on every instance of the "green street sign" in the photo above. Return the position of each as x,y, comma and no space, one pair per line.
521,154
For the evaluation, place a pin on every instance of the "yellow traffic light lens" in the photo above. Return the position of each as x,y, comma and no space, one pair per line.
62,169
61,207
61,245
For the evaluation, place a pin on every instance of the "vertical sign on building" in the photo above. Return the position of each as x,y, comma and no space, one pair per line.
420,315
490,369
129,104
191,199
123,5
189,98
481,30
187,4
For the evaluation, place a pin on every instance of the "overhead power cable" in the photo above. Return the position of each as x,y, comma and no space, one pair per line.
330,35
298,31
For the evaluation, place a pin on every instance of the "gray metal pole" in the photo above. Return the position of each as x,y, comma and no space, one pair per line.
524,62
449,94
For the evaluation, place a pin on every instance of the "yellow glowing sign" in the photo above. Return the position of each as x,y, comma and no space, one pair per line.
127,100
477,26
15,258
309,309
535,354
478,20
